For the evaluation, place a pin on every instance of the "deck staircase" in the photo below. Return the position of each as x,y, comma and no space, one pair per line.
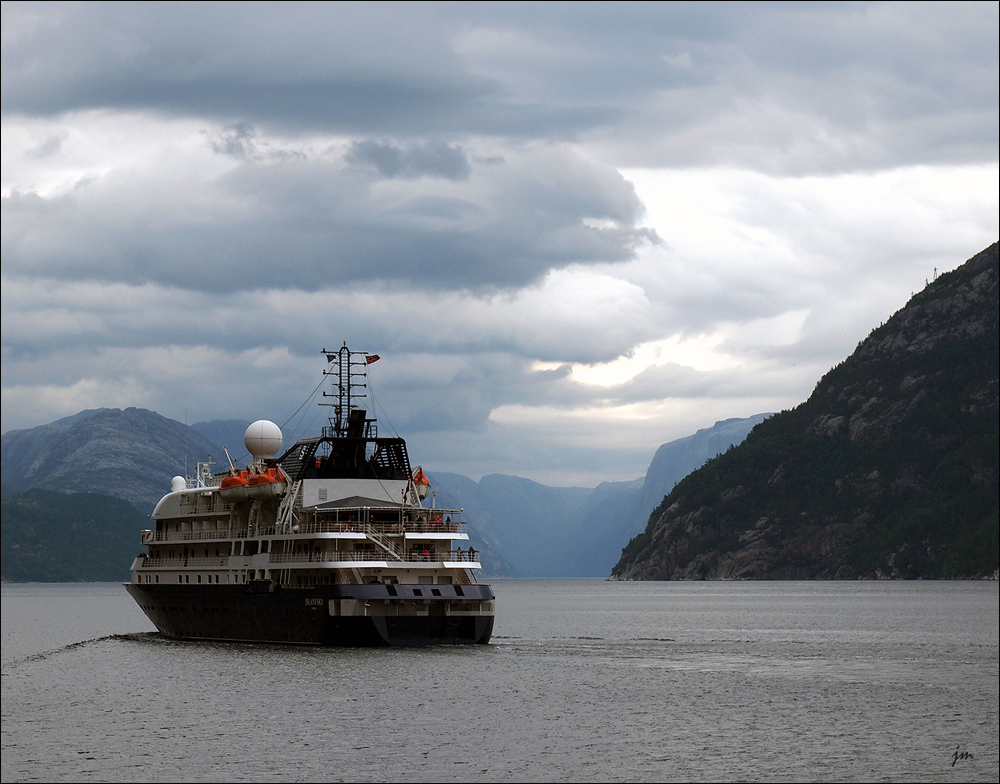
384,542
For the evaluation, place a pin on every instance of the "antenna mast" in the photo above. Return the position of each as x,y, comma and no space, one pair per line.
347,372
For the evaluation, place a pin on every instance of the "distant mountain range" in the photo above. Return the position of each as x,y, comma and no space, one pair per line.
520,527
546,531
889,469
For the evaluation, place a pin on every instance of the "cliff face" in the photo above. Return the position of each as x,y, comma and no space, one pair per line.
890,469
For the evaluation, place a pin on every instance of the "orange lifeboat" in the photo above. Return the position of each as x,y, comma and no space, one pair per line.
234,486
421,482
269,483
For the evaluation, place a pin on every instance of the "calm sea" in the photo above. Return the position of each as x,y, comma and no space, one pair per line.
585,680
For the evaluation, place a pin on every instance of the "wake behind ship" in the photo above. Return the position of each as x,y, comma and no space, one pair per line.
327,544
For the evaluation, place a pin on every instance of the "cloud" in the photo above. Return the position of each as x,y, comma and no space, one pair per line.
295,221
786,88
331,68
572,232
433,158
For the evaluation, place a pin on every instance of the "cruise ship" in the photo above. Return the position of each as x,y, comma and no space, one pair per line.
335,541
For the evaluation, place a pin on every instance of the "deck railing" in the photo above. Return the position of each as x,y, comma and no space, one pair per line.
321,557
191,561
306,528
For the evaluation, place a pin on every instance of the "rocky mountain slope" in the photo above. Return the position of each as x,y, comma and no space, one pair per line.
129,454
889,469
575,531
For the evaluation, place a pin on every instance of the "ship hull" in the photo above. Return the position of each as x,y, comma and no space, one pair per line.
335,615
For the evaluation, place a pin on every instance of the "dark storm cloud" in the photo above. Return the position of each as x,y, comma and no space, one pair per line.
785,87
433,158
295,223
346,68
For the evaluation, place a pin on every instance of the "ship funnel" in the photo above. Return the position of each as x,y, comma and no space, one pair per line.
263,439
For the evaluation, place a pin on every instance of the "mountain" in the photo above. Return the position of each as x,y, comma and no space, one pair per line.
68,537
676,459
130,454
528,523
521,528
889,469
542,531
617,511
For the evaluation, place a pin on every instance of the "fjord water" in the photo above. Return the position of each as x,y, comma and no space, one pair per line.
585,680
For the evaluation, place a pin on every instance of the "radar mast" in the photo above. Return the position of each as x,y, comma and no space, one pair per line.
348,371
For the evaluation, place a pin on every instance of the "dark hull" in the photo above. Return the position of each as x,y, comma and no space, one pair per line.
340,615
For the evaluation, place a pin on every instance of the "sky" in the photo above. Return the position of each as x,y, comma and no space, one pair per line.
571,232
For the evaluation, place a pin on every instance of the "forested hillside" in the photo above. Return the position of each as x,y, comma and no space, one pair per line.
889,469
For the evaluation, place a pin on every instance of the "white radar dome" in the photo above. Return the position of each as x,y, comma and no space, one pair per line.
263,439
178,483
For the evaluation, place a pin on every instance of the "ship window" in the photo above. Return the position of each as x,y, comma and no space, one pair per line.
187,578
157,578
435,592
199,578
417,592
180,578
425,580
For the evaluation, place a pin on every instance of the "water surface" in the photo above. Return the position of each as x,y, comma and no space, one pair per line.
585,680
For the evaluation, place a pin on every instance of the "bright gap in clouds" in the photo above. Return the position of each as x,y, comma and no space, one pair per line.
762,284
699,353
751,263
717,351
